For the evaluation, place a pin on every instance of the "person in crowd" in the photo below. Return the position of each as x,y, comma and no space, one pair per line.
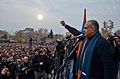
115,42
5,74
17,68
95,57
116,47
39,64
25,70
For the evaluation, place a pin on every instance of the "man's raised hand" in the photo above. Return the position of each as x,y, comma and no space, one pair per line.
63,23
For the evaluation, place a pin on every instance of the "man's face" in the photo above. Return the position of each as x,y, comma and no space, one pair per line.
117,40
88,30
26,59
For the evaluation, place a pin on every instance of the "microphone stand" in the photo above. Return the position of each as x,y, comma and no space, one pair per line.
68,46
64,64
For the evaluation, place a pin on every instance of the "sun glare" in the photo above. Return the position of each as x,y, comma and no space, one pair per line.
40,17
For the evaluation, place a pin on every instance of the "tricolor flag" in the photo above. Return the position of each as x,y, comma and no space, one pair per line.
84,21
78,72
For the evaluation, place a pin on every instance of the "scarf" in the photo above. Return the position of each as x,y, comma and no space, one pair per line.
83,69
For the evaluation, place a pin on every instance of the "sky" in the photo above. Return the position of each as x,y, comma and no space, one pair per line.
18,14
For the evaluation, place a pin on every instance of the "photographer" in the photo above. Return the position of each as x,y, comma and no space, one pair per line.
115,42
59,52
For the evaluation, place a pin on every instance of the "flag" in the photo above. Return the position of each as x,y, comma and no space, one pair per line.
84,21
78,72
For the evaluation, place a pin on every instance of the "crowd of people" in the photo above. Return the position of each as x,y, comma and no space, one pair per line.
93,57
17,61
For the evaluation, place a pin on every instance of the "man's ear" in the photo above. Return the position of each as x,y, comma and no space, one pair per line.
93,30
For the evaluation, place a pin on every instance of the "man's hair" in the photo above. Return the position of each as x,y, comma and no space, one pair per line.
95,24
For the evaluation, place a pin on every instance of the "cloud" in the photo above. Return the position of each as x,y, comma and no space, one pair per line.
20,13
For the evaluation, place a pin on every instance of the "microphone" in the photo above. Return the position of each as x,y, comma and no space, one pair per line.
79,36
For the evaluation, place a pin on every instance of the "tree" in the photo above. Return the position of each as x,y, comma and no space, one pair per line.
20,37
107,28
4,36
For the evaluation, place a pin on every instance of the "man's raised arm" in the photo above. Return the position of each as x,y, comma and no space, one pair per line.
72,30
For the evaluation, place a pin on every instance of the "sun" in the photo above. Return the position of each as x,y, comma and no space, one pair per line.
40,17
